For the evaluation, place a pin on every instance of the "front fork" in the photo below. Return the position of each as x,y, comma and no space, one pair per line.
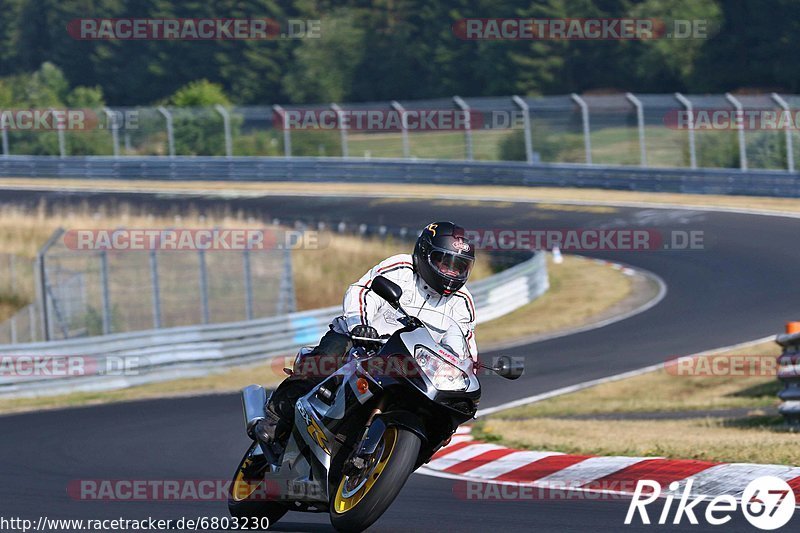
372,436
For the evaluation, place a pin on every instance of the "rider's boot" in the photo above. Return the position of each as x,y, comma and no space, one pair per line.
267,433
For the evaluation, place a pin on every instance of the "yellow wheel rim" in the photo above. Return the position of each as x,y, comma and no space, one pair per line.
243,488
351,491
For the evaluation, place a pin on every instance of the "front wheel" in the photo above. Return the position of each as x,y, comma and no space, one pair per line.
361,498
247,497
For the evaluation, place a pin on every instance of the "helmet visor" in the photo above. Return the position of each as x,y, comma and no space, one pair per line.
451,265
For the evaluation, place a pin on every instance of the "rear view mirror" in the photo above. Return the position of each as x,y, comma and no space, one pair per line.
388,290
509,367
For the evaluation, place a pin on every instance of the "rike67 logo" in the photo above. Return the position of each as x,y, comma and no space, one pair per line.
768,503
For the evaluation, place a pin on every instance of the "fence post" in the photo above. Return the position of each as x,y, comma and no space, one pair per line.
105,295
156,288
587,140
687,105
201,256
112,124
32,321
286,301
467,126
226,126
404,125
287,136
526,123
742,143
40,279
170,132
340,118
640,126
62,142
787,130
12,272
248,285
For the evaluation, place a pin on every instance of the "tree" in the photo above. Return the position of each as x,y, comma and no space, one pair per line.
200,93
198,127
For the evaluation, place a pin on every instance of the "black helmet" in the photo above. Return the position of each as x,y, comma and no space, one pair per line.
443,257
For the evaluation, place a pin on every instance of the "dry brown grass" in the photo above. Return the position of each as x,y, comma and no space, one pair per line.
580,289
23,231
757,437
703,439
10,305
660,391
321,275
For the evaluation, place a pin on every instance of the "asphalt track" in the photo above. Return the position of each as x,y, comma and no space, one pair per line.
740,286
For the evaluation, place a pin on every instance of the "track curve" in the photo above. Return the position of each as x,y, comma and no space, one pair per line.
741,286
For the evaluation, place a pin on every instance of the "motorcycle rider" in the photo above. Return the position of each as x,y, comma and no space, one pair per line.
432,279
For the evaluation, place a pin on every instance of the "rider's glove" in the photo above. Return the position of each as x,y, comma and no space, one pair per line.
364,331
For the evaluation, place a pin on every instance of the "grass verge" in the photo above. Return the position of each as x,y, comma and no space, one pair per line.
580,290
659,414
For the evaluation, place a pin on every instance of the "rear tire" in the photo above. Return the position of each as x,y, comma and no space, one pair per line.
245,500
358,507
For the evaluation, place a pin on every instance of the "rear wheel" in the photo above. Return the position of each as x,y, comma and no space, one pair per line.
361,498
248,497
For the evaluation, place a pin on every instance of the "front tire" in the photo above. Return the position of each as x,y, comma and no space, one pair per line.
245,500
361,499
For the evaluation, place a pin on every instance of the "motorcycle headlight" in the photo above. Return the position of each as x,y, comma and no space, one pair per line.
443,375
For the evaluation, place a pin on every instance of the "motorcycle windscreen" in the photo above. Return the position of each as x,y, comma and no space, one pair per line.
443,328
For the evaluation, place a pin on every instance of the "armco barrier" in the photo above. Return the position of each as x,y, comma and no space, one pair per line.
197,350
320,169
789,374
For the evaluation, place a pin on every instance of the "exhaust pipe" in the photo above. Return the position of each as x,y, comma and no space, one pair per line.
254,400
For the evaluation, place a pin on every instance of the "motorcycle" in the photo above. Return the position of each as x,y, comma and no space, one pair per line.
360,433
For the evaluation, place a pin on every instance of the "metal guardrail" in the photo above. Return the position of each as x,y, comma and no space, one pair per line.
789,375
171,353
321,169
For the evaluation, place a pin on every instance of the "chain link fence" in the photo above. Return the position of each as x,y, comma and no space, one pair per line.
79,293
17,288
648,130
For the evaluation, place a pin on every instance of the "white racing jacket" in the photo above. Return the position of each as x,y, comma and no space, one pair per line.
363,306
